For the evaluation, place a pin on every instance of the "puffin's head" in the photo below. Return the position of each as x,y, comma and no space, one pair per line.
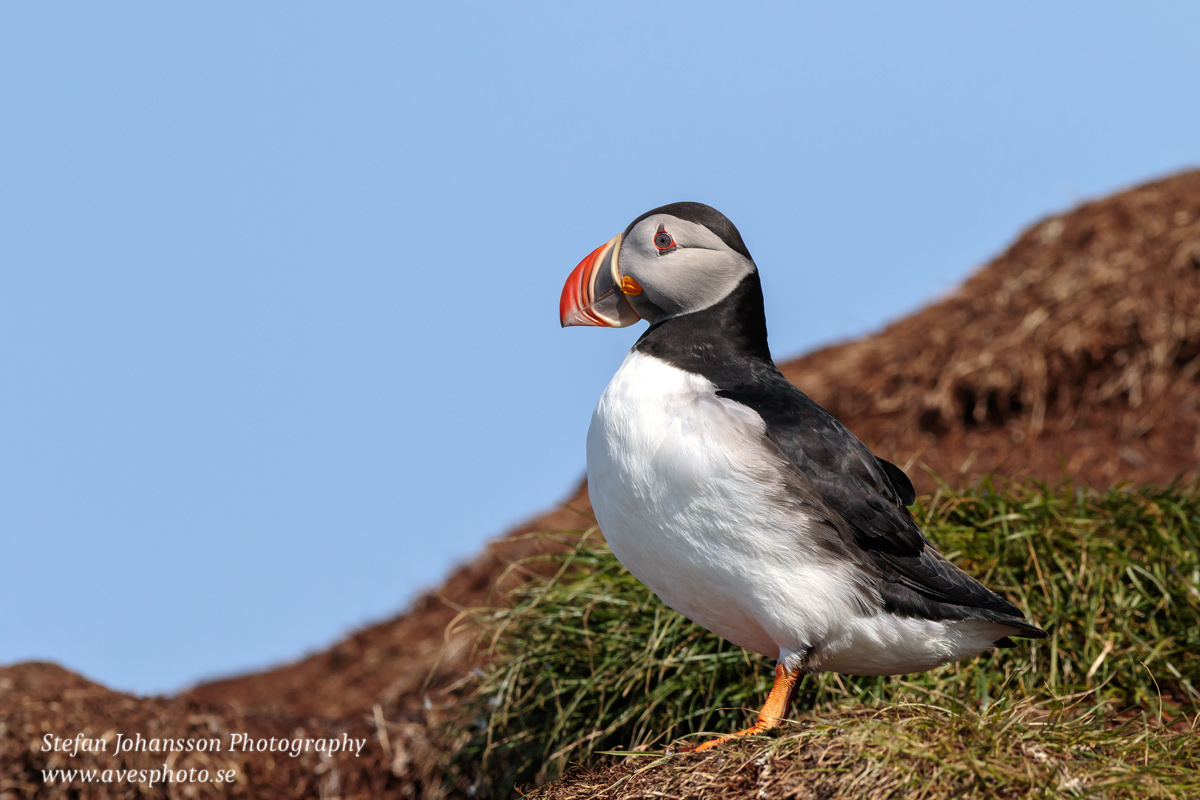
670,261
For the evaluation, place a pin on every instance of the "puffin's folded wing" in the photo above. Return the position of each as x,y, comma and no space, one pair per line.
868,493
866,499
930,587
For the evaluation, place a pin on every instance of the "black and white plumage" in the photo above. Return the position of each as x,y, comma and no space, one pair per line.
738,500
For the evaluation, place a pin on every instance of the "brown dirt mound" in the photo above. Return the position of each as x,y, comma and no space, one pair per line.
38,699
1076,352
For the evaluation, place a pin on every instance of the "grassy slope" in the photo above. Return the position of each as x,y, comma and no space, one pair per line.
590,661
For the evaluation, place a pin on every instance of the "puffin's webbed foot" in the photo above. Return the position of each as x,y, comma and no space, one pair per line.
773,711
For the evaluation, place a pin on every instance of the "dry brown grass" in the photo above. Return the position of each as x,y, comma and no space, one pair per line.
917,753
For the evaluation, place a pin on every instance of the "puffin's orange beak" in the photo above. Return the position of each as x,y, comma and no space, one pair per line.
594,293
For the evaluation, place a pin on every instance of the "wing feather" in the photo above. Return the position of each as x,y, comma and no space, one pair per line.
870,496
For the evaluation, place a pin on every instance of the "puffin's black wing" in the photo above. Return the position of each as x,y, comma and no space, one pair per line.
869,493
871,496
899,481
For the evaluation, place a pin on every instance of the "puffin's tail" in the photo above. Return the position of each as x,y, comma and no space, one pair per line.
1024,631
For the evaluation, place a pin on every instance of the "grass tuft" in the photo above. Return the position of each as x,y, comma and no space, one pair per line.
589,660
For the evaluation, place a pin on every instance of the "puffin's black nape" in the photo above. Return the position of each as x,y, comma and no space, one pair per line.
704,215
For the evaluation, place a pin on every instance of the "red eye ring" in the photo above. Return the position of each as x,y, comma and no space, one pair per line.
663,240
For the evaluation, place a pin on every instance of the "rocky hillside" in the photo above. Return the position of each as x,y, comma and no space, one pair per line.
1076,352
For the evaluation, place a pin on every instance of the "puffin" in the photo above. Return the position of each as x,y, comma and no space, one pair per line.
738,500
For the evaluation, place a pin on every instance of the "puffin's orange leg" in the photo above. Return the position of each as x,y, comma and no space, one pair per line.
773,711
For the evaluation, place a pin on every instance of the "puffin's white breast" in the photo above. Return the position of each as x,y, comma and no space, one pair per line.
693,503
689,500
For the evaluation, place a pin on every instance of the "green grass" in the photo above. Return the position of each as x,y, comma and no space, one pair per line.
589,660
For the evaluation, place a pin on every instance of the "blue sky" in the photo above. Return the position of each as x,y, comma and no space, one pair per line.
279,282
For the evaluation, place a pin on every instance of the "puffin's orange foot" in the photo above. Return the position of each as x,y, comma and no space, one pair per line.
772,713
758,727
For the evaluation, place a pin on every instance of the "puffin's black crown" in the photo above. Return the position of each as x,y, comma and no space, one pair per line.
704,215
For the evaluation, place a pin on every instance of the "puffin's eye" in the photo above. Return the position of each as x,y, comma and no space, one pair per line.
663,240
